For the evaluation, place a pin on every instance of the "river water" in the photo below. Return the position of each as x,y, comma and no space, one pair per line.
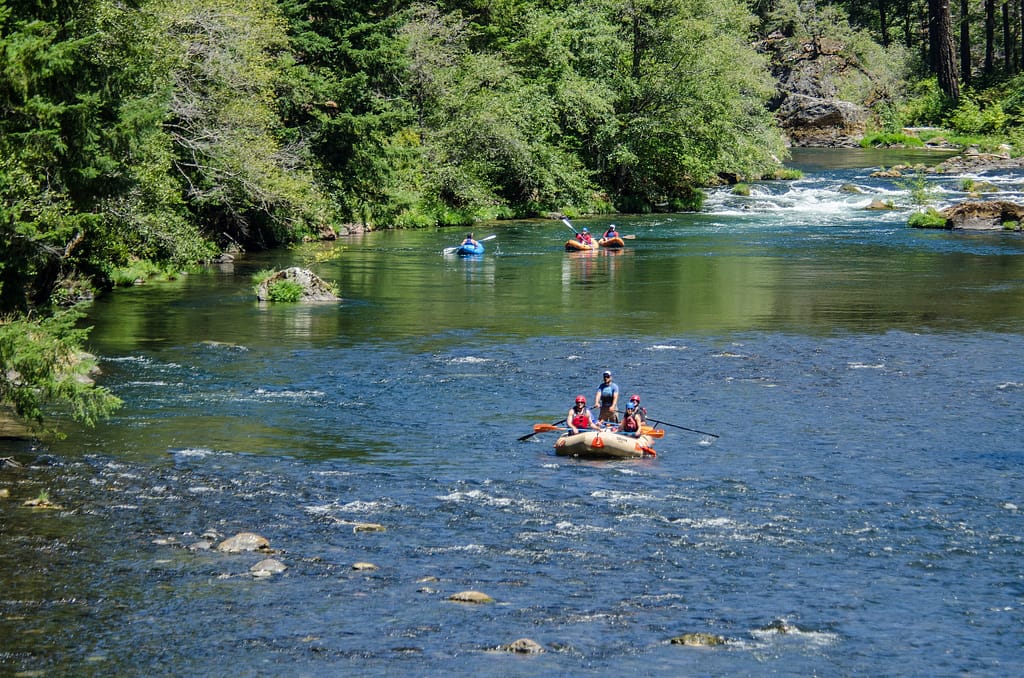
858,513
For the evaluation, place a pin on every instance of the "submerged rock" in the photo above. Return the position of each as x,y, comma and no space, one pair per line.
522,646
698,640
244,541
475,597
267,567
368,527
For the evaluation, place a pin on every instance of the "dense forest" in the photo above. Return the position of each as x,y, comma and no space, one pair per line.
144,135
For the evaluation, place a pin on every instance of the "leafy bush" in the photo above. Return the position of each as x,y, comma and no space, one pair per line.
926,105
921,191
284,290
970,118
929,218
45,370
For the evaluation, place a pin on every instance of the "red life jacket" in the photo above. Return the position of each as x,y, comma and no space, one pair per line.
581,420
630,423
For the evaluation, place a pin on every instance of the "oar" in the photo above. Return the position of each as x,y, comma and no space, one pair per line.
692,430
450,250
543,428
651,432
569,224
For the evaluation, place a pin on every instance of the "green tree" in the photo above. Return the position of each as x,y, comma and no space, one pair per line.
690,99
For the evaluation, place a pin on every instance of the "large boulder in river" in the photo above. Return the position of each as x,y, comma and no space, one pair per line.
985,215
313,288
807,104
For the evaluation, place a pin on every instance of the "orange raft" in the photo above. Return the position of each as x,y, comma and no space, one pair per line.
615,243
603,445
576,246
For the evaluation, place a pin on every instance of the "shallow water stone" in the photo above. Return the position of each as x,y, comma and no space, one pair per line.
698,640
267,567
363,566
471,597
201,545
368,527
244,541
523,646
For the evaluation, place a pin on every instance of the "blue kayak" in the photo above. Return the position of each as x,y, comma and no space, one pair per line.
469,250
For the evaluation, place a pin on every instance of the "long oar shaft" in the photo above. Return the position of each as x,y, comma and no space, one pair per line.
691,430
541,428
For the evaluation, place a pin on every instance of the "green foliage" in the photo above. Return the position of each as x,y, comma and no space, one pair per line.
262,275
887,139
741,189
922,192
969,118
284,290
784,174
928,218
45,371
925,105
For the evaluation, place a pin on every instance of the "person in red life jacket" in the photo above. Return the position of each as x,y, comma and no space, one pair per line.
579,416
641,412
611,232
631,422
584,237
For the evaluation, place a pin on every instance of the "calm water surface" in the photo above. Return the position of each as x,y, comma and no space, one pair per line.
857,515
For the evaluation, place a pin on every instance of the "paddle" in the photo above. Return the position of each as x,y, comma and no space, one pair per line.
567,223
692,430
543,428
651,432
450,250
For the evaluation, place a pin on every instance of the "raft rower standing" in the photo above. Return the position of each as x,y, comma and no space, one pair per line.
607,398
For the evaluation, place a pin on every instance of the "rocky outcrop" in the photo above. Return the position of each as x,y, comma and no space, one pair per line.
972,161
313,288
986,215
807,103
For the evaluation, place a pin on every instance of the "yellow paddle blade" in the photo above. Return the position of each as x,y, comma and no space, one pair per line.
651,432
542,428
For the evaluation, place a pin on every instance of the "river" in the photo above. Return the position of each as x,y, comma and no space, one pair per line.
858,513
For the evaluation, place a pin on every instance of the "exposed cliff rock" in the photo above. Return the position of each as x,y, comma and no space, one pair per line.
807,103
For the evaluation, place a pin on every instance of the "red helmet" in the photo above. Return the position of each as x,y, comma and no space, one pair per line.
635,397
581,399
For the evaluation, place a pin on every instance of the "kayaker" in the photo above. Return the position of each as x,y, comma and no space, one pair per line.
469,242
611,232
579,416
607,398
584,236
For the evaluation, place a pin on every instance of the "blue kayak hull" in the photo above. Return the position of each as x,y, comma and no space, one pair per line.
469,250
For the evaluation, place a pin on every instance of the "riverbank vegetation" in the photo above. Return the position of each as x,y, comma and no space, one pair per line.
148,135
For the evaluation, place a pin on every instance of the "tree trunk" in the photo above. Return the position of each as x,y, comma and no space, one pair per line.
965,42
1020,14
883,21
990,36
940,38
1008,40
